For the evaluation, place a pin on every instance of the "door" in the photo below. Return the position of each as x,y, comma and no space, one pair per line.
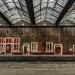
26,48
8,48
58,49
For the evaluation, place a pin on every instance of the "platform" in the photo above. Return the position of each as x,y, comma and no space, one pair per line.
34,58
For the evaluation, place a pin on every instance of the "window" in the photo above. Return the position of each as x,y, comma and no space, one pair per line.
8,40
1,40
34,46
1,47
16,47
15,40
49,46
73,48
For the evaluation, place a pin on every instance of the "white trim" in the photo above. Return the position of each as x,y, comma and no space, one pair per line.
26,45
36,47
2,50
50,49
58,45
11,47
73,48
12,43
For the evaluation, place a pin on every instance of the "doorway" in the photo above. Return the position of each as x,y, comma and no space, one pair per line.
8,48
58,49
26,48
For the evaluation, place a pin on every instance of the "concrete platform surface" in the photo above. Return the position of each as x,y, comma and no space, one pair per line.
37,68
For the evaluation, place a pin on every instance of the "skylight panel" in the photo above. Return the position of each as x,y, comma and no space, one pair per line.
36,2
18,5
37,14
62,2
9,1
55,13
51,1
44,0
43,5
43,11
11,5
43,16
58,8
1,2
51,5
36,8
4,8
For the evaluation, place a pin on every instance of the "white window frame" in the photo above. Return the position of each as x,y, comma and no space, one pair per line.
58,45
36,48
73,48
50,49
1,48
28,47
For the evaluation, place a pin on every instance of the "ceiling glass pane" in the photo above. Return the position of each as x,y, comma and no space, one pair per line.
36,2
17,5
51,4
55,13
37,18
22,2
11,5
9,1
9,13
51,8
43,11
37,9
62,2
16,0
4,7
43,5
40,20
58,8
14,10
50,20
1,2
49,11
24,9
43,16
37,14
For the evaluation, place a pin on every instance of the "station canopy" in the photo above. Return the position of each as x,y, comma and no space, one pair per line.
35,11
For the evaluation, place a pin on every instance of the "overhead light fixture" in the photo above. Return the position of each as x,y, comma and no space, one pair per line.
44,24
0,24
22,24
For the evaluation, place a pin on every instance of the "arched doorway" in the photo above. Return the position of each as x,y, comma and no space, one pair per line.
8,48
26,48
58,49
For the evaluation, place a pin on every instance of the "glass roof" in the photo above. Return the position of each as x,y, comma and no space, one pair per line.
69,18
48,9
14,10
3,22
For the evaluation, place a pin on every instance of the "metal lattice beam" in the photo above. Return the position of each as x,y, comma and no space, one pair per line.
4,18
29,4
65,10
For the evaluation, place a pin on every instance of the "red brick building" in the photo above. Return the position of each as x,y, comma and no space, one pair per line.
9,45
